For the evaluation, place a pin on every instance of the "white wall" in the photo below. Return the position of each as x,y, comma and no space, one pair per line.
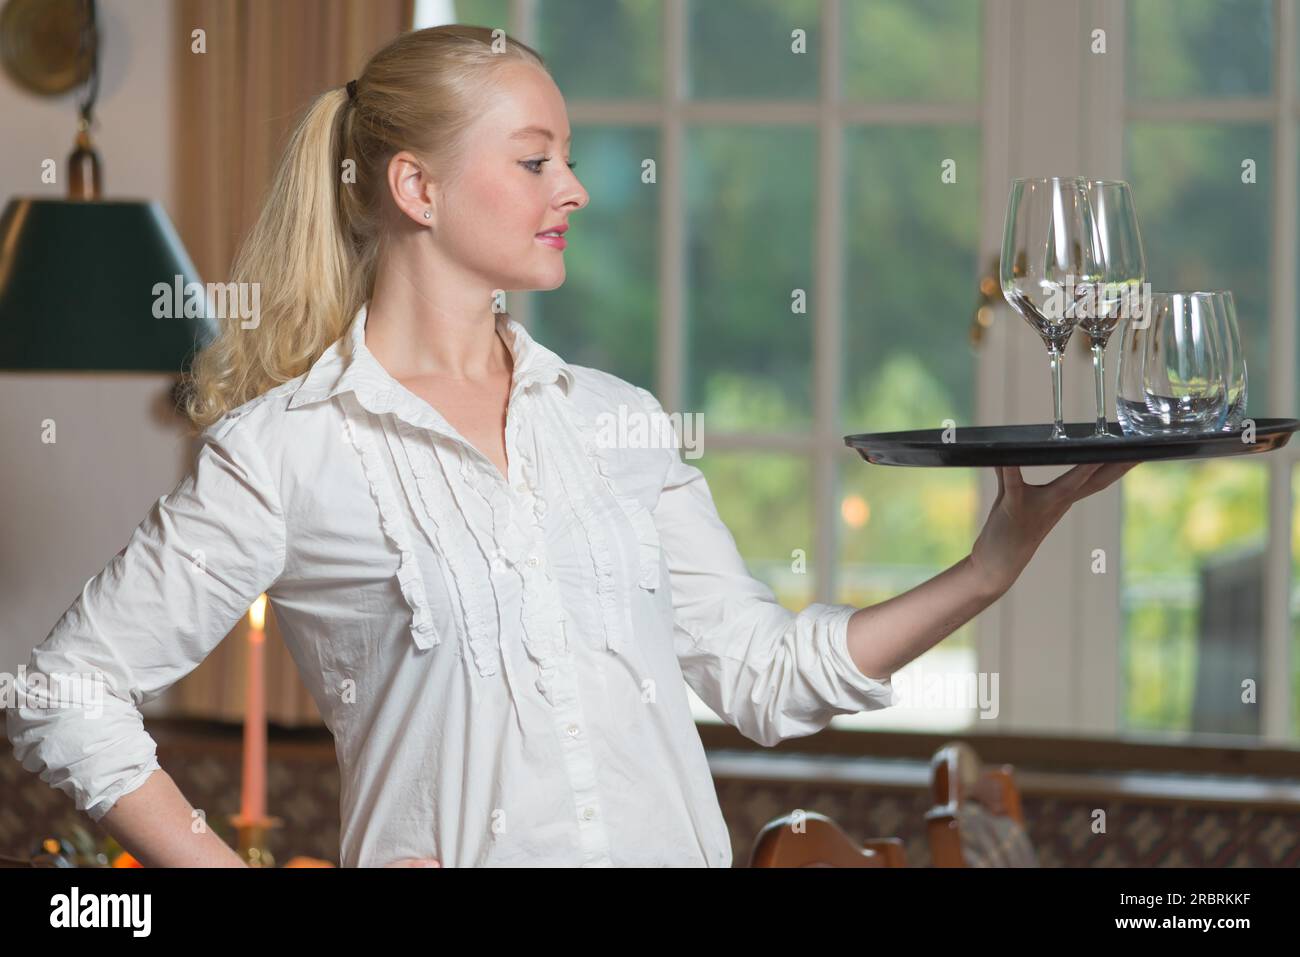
133,112
67,508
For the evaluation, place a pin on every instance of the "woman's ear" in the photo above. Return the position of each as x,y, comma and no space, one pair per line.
413,190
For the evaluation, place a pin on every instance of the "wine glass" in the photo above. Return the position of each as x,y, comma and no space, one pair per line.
1121,273
1049,263
1172,377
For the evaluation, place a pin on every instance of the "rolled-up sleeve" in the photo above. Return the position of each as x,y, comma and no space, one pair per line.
768,671
189,572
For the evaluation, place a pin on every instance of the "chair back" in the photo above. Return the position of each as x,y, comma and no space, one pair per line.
809,839
977,819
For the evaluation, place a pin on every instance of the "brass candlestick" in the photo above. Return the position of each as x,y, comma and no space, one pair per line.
251,839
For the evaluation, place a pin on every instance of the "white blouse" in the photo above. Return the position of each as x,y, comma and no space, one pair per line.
500,663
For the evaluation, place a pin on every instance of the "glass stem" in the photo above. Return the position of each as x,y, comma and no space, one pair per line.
1098,357
1058,428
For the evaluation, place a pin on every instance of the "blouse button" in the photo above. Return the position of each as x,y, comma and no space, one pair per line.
534,561
588,813
572,730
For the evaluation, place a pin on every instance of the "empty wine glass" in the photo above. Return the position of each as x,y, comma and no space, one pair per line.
1235,362
1049,261
1171,378
1121,273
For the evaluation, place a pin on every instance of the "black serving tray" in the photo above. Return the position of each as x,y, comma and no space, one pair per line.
976,446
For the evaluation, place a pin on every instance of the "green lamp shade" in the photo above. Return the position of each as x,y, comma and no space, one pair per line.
80,286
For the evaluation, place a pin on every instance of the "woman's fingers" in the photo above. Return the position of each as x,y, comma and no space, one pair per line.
1097,478
1069,482
1104,476
1068,487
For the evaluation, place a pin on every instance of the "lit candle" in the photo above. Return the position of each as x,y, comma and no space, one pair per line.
253,803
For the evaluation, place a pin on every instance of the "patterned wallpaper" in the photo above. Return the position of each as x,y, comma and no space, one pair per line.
303,788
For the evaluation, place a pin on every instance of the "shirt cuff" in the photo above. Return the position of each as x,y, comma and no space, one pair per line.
100,808
863,692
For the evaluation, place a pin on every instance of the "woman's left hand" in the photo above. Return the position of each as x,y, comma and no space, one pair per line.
1023,514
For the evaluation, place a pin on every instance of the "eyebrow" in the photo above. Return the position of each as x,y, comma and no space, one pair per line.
529,131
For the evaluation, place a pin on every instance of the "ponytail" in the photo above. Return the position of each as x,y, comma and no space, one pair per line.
315,246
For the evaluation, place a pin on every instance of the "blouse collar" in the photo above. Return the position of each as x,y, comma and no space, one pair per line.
348,366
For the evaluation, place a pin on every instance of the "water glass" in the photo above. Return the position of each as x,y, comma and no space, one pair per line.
1172,377
1235,366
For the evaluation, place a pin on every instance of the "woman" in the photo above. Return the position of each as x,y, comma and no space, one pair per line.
493,611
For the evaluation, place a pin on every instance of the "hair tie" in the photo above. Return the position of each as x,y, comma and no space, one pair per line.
352,89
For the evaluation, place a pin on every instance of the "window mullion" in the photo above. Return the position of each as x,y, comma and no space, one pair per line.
1276,716
671,174
521,16
992,405
828,281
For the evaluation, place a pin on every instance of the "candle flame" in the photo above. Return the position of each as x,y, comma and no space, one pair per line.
257,613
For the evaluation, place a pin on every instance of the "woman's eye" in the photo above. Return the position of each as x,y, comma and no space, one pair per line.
535,166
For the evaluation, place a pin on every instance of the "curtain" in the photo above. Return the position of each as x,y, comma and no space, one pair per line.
235,106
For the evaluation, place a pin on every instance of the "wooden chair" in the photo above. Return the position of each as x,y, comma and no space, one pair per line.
809,839
987,800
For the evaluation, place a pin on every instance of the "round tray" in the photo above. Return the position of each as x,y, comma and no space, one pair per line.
975,446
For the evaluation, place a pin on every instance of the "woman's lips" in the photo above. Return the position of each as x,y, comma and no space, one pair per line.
558,242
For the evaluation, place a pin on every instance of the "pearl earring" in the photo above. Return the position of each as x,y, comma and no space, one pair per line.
428,215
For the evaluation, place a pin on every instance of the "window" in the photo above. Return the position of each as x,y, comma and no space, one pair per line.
1210,151
724,261
796,202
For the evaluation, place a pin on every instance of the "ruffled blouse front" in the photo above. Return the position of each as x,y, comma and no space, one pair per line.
503,661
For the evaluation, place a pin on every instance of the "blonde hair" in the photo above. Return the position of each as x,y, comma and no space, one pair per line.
316,243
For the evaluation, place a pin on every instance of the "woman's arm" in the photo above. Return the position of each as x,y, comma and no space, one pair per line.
188,574
884,637
774,674
767,671
157,826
